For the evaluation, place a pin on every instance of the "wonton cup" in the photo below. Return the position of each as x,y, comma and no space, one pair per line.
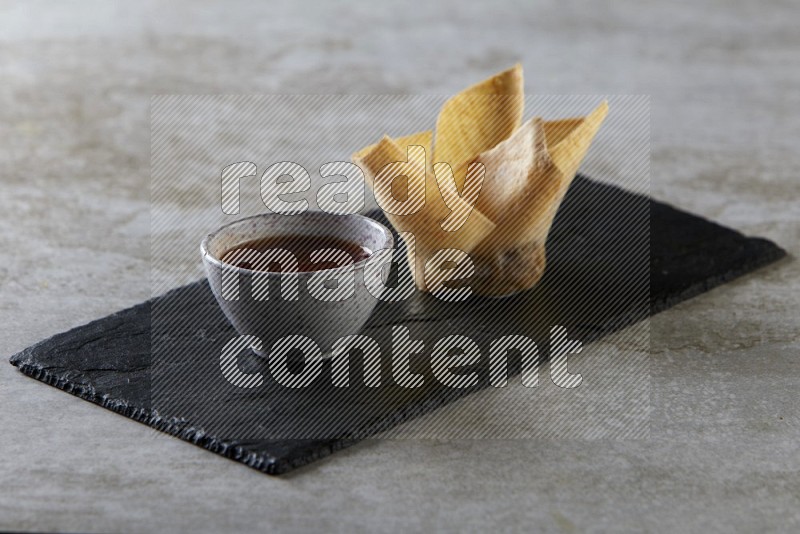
528,169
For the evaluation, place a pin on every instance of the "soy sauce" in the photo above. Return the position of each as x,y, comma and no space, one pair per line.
271,254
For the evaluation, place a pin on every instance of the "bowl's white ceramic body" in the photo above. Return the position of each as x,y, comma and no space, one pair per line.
269,320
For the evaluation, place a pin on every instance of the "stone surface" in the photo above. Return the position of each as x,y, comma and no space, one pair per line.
724,446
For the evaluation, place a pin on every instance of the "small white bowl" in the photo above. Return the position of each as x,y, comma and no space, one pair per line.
269,320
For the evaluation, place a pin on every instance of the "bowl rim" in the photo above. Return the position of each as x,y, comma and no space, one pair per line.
219,264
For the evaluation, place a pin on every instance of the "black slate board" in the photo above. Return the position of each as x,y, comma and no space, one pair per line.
157,362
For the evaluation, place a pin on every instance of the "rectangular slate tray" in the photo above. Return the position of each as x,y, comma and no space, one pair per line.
158,362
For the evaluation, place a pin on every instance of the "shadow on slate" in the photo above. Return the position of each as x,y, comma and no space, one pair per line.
614,258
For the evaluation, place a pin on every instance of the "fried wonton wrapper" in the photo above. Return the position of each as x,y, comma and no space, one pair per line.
478,118
427,222
528,169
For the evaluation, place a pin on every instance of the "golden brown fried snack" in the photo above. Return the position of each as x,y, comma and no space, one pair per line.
527,170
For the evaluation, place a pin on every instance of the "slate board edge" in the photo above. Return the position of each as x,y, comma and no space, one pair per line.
178,429
769,253
239,452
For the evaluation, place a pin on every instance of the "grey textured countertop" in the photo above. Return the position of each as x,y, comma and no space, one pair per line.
724,77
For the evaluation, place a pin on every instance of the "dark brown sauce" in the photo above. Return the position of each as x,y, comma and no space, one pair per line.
270,253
